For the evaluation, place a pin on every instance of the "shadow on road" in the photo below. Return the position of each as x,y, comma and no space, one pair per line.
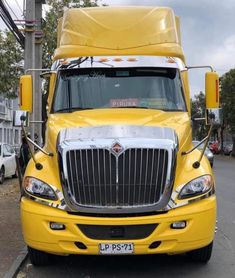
121,266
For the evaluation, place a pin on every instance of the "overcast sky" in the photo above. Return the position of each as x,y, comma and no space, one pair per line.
208,31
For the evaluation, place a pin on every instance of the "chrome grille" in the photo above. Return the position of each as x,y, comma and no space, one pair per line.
98,178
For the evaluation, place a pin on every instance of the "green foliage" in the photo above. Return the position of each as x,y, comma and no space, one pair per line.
198,111
227,83
11,61
50,25
11,54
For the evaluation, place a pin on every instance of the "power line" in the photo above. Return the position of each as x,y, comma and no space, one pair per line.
24,8
11,9
6,17
18,5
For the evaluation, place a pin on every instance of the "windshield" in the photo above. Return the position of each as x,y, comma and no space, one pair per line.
92,88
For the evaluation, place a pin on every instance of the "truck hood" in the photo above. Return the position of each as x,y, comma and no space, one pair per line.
179,121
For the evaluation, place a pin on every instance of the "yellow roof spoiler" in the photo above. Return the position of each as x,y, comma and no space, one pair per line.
119,31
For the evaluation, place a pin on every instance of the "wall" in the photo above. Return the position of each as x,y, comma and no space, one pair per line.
8,133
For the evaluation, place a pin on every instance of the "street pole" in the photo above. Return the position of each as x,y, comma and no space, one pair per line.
38,65
33,60
29,52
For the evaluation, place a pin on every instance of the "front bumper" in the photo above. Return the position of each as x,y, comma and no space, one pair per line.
200,218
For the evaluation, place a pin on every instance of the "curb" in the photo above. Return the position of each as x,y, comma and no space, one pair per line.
11,273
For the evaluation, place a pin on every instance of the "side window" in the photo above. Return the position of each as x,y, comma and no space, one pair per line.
5,150
10,149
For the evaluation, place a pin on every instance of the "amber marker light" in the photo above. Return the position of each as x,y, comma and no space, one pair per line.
118,59
171,61
64,62
104,60
132,60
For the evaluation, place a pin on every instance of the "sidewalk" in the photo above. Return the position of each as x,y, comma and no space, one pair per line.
11,240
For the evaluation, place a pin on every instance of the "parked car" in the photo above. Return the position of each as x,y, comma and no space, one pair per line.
208,153
7,162
214,147
227,149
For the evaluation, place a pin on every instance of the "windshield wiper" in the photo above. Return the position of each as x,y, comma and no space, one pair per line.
173,110
141,107
72,109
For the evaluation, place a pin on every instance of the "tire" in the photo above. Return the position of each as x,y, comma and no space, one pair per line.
15,175
201,255
39,258
2,175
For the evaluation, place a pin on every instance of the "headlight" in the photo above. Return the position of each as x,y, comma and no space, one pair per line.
39,188
196,187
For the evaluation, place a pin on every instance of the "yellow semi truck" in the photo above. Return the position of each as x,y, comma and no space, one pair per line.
118,173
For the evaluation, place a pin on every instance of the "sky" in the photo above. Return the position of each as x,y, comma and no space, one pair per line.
207,27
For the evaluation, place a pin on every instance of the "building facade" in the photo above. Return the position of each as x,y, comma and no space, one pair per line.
8,133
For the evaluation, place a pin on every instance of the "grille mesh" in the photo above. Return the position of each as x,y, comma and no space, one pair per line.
98,178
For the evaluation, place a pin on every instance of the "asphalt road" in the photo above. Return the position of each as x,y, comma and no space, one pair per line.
11,240
222,263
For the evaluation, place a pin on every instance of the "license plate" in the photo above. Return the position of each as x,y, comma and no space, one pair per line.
116,248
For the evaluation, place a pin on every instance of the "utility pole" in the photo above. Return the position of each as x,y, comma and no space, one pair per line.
33,59
38,65
29,51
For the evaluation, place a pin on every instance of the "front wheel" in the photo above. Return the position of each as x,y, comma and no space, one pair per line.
2,175
201,255
39,258
15,175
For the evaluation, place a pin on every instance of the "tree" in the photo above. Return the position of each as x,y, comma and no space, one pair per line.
198,111
50,24
227,83
11,64
11,54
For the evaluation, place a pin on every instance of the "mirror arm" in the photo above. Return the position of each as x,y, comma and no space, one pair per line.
28,70
198,119
37,146
204,147
197,163
202,141
200,67
37,164
37,122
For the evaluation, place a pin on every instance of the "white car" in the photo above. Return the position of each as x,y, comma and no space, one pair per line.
7,162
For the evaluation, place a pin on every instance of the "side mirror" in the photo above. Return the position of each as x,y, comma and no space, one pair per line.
26,93
212,90
214,116
17,118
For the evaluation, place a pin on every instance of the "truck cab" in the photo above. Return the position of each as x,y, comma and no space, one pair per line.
118,174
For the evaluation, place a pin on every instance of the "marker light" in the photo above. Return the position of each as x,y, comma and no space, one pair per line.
178,225
104,60
171,61
118,59
64,62
57,226
132,59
